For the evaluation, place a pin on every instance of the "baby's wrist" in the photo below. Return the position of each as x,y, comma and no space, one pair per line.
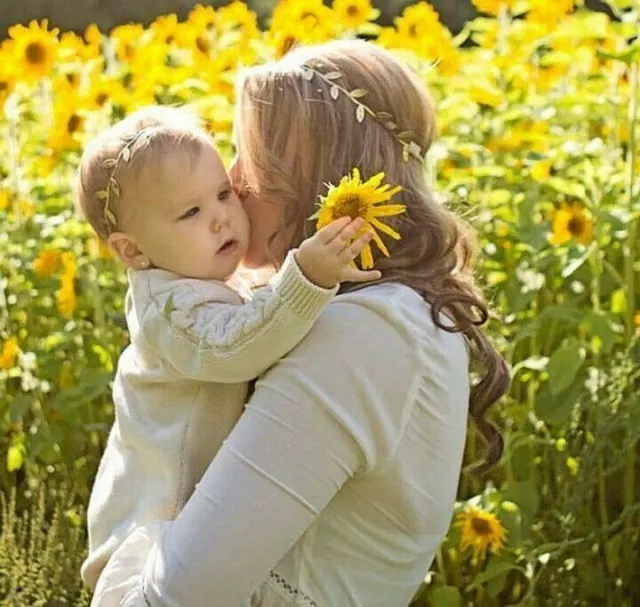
313,273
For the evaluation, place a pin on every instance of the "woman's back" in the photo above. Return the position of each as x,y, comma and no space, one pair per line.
375,540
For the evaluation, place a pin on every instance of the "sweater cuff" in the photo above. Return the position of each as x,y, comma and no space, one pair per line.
305,298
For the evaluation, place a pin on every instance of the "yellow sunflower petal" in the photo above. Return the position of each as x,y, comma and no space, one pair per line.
389,210
383,227
379,243
366,257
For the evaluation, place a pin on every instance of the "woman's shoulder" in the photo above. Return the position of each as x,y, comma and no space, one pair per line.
402,310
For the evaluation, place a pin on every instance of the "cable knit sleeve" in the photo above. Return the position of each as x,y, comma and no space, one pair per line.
228,343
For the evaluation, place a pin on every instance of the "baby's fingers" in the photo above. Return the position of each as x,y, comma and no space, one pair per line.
329,232
350,274
355,248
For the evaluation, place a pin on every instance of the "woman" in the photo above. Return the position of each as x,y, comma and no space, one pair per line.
338,483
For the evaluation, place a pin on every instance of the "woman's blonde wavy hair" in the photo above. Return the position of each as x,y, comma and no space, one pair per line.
294,138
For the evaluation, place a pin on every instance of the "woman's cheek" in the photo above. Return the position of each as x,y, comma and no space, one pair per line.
263,223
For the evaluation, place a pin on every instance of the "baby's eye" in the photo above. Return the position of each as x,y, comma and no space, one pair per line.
192,212
224,194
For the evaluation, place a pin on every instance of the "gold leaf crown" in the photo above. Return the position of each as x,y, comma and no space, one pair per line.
113,187
385,119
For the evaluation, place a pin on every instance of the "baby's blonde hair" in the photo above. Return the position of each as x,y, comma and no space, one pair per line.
296,131
127,153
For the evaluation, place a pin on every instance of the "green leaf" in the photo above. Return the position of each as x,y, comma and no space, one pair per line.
576,263
446,596
93,385
564,365
494,569
598,324
627,56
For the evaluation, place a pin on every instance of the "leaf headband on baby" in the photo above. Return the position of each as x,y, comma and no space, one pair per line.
113,187
385,119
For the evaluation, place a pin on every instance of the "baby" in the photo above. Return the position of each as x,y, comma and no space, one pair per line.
154,187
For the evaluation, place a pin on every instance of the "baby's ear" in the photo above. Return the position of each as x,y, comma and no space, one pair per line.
128,251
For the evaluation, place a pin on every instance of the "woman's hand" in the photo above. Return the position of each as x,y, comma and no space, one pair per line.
326,257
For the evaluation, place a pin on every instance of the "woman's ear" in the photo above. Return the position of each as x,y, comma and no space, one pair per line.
128,251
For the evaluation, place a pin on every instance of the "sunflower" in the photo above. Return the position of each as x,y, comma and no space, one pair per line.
571,221
480,530
354,13
8,79
356,198
9,353
34,49
547,13
47,262
492,7
314,21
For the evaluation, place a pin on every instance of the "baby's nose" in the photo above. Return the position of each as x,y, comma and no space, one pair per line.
220,218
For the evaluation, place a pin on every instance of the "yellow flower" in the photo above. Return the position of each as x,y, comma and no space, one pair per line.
8,78
492,7
9,353
355,198
541,169
98,249
238,17
66,296
486,94
5,199
47,262
314,21
126,39
353,13
202,17
68,122
636,318
480,530
549,13
418,22
34,49
571,221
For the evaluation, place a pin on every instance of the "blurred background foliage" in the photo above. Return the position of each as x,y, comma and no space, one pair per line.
537,106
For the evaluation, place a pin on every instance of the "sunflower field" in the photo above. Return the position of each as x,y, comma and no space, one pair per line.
537,104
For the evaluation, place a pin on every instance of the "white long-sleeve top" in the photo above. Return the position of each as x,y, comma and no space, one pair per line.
180,387
337,484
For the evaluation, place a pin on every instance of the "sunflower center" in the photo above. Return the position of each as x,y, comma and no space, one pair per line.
480,526
353,10
576,225
73,124
3,86
101,98
352,206
203,45
35,53
72,78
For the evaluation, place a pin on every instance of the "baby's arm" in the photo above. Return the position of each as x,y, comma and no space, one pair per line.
220,342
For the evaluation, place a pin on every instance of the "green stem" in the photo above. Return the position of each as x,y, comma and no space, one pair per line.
629,249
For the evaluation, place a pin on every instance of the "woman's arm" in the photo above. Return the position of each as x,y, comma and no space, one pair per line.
335,407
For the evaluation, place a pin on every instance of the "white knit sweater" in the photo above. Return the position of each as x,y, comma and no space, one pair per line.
336,485
180,387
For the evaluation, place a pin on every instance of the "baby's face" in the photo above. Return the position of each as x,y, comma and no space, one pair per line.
191,221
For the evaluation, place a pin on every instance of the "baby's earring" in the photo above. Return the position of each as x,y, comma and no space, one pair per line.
143,264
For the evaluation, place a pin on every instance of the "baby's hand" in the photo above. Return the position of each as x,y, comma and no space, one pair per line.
325,257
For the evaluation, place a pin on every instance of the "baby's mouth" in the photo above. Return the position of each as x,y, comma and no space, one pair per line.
228,246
